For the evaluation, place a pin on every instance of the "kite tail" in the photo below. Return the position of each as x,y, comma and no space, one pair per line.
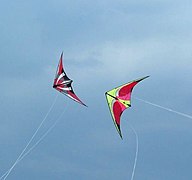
33,136
136,152
165,108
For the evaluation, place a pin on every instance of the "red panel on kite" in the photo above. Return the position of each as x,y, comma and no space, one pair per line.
63,84
118,108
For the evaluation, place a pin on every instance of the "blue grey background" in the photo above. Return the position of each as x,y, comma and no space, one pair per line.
106,44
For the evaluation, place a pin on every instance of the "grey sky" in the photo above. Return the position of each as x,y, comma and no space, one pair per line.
106,44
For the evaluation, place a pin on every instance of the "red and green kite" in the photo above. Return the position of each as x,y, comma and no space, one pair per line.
119,99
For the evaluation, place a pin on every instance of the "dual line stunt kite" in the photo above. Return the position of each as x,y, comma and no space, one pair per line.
119,99
63,84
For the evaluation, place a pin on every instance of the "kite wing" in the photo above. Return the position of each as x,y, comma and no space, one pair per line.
119,99
63,84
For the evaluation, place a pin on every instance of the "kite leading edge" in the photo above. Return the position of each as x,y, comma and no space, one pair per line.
119,99
63,84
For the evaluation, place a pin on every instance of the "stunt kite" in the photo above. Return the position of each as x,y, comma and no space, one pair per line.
119,99
63,84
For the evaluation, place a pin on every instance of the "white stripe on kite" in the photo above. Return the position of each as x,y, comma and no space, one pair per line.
60,76
64,88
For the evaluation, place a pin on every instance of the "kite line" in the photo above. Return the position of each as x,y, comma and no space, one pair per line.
136,152
29,142
40,139
165,108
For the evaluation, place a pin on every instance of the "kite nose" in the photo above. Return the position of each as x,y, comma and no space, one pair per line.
54,86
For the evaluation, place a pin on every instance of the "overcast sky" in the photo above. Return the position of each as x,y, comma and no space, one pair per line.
105,44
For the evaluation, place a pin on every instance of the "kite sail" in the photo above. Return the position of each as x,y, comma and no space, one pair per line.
119,99
63,84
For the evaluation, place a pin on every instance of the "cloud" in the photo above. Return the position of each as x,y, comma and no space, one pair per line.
152,56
